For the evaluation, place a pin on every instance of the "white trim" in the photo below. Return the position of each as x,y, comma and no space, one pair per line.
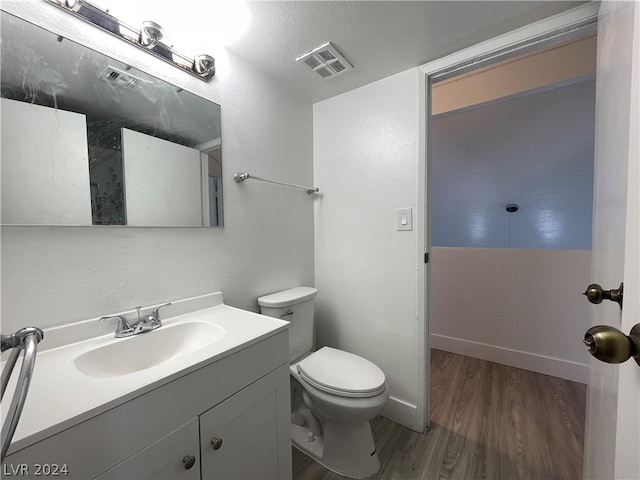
209,145
524,35
529,34
556,367
423,355
402,412
204,191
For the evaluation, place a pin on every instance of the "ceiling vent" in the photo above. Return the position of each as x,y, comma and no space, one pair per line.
325,60
122,79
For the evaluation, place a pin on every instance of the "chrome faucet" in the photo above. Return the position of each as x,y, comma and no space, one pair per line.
123,329
149,322
142,325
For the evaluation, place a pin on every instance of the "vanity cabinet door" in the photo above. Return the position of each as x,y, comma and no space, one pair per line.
248,436
174,457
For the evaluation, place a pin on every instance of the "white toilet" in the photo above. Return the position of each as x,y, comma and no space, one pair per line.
334,393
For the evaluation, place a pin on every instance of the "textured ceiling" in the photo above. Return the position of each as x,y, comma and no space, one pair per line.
378,38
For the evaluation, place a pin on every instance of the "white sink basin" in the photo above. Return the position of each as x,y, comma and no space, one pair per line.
84,361
146,350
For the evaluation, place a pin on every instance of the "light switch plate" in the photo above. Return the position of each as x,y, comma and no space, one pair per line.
405,219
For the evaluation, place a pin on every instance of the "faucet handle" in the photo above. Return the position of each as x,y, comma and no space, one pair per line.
122,322
156,311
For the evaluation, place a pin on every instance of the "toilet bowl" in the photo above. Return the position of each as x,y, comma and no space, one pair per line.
346,444
334,393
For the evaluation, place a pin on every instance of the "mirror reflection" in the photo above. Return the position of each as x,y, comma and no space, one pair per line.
89,140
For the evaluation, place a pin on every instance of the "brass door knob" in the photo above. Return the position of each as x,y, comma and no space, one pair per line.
596,294
610,345
189,461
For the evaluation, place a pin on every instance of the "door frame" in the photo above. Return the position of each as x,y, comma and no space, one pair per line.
530,37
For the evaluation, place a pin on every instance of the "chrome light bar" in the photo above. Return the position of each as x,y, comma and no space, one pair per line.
148,38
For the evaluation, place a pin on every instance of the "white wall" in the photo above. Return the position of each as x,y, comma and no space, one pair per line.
519,307
366,164
530,71
535,151
52,275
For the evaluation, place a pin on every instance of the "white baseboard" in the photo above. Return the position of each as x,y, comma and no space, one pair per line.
555,367
403,413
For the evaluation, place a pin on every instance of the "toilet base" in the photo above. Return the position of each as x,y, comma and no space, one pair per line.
349,449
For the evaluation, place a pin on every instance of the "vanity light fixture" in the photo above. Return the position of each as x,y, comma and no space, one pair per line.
205,66
150,34
148,38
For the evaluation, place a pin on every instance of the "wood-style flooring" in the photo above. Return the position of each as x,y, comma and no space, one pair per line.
488,421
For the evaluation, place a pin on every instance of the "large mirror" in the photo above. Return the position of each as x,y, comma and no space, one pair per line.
88,140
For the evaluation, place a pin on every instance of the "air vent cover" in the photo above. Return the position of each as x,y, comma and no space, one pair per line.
122,79
325,60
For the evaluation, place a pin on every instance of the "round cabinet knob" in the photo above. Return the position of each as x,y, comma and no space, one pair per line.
189,461
216,443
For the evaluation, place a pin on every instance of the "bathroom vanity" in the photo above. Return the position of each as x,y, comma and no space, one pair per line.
204,396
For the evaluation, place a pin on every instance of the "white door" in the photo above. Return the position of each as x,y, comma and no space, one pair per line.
45,166
612,439
248,436
161,181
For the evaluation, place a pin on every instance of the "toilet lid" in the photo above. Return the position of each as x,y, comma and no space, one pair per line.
342,373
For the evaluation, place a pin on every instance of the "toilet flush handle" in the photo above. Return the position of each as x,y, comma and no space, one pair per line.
286,315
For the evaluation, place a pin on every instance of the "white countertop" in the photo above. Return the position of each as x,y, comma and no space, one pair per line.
61,396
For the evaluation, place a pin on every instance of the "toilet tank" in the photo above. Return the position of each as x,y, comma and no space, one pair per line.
296,306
